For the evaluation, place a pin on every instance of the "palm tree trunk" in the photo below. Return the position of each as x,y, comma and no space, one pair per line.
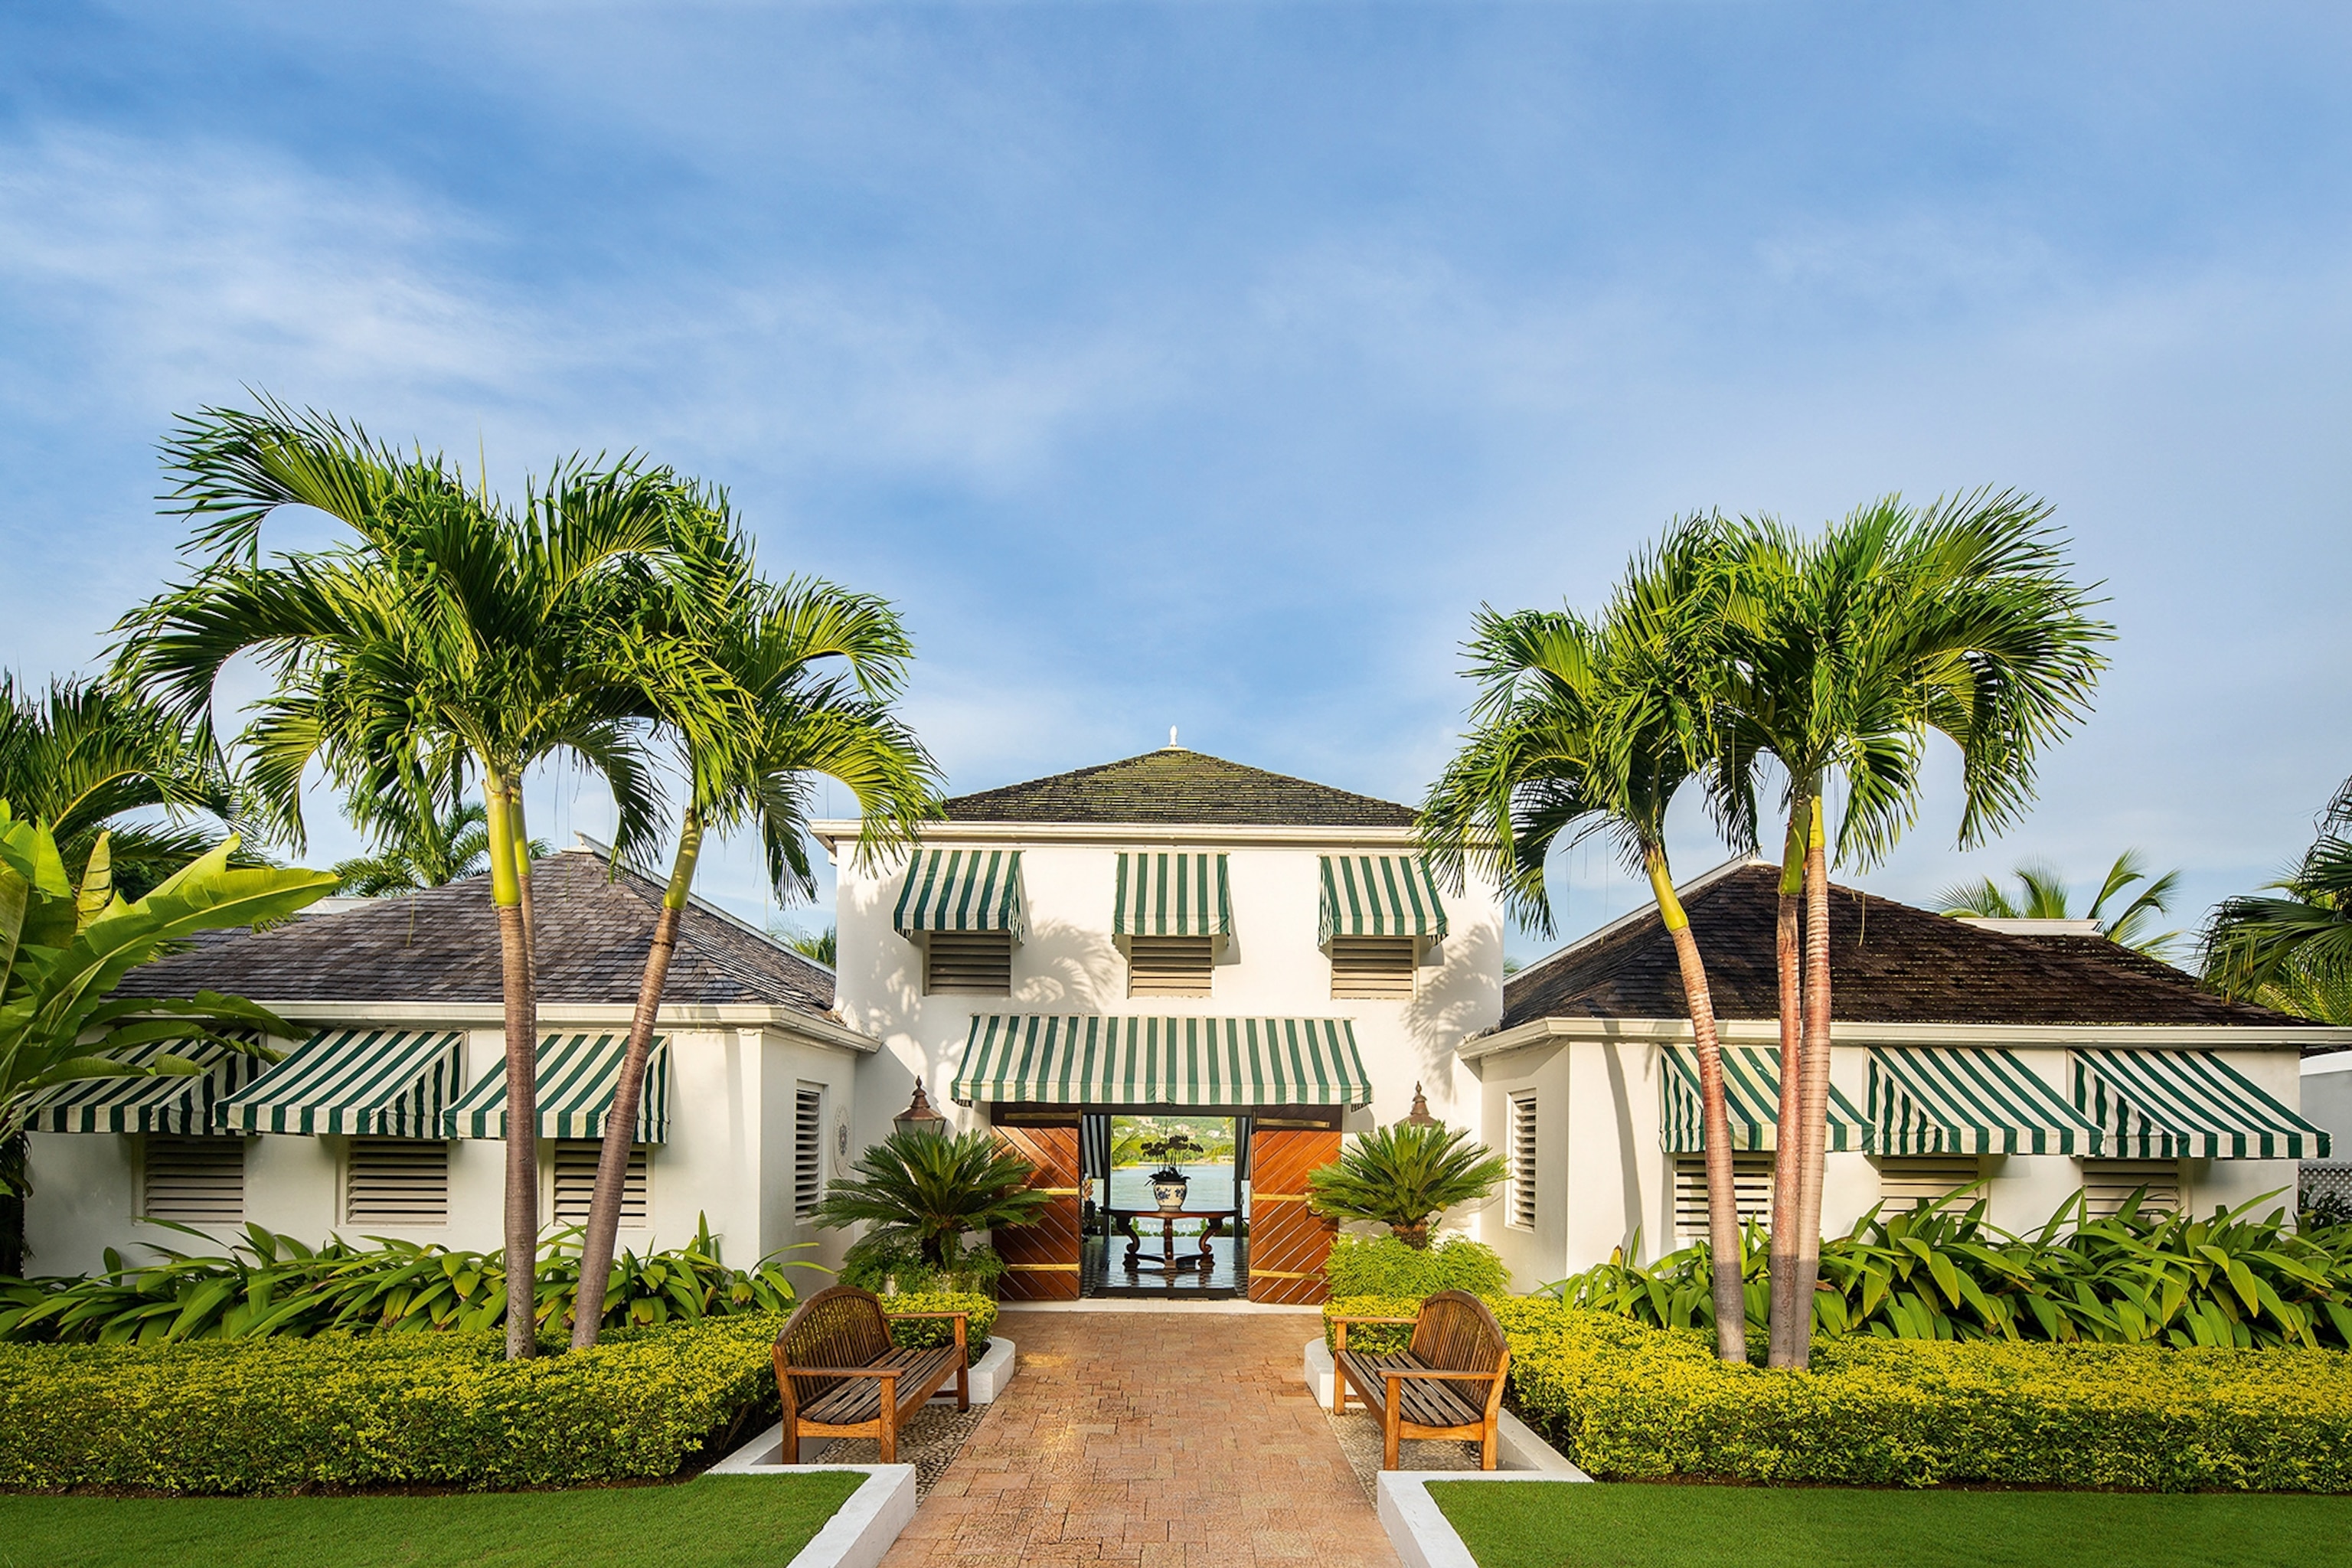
621,1121
1722,1195
1787,949
522,1076
522,881
1817,1086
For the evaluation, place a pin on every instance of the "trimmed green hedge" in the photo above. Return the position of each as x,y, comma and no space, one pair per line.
1629,1402
1383,1266
441,1410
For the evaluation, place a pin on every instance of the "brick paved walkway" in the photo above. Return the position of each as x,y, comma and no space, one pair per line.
1154,1438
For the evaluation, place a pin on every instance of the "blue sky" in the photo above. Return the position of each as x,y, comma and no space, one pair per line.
1210,365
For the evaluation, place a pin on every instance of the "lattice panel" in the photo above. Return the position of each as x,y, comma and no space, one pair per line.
1042,1259
1288,1241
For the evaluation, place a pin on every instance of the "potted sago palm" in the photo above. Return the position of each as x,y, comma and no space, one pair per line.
1404,1176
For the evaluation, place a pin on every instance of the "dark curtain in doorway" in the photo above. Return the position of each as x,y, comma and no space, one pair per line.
1094,1160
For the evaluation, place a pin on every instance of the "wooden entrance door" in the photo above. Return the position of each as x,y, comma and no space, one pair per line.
1288,1240
1042,1259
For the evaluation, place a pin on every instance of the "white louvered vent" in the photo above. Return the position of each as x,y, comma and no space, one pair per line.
1751,1186
1372,968
1522,1159
1904,1183
976,963
808,1149
575,1183
1169,965
397,1181
2107,1182
195,1181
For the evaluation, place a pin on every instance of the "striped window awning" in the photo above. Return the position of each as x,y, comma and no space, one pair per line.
1171,895
1092,1059
1970,1100
382,1083
962,889
2172,1105
578,1076
1751,1098
1380,895
182,1104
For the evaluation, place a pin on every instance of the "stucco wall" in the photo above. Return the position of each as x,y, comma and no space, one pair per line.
1070,964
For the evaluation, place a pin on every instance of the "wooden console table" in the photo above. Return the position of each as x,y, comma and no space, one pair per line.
1170,1260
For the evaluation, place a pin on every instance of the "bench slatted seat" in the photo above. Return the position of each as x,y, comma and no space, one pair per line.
1448,1383
840,1376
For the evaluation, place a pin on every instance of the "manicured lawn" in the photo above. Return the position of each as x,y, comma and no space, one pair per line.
1566,1525
711,1522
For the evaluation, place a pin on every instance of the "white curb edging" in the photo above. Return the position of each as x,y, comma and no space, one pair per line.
1517,1449
1418,1529
990,1373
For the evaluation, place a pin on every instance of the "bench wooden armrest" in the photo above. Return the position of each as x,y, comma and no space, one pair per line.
1394,1373
926,1315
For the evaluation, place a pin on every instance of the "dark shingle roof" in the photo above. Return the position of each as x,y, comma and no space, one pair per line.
1890,963
1175,785
442,945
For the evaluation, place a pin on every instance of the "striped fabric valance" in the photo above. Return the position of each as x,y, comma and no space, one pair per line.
2172,1105
962,889
1970,1100
1171,895
1091,1059
181,1103
1751,1098
1380,895
382,1083
578,1075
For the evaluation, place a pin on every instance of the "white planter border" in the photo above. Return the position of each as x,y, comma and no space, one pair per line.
1418,1528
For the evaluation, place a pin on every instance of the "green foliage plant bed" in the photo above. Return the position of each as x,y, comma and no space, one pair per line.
442,1411
1386,1265
1556,1524
1632,1403
717,1522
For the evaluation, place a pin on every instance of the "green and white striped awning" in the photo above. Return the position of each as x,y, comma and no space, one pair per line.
180,1103
2172,1105
383,1083
1380,895
962,889
1091,1059
578,1075
1970,1100
1751,1098
1171,895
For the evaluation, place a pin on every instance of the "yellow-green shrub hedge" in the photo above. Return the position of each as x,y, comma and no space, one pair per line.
272,1414
1629,1402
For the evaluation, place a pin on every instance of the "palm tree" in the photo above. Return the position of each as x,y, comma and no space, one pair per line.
819,667
451,639
428,848
929,1189
1405,1176
1582,730
2290,945
1848,651
818,947
83,756
2041,895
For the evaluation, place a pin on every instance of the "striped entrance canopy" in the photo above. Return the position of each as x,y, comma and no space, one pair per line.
180,1103
2171,1105
1380,895
384,1083
1970,1100
1751,1098
1096,1061
1171,895
578,1076
962,889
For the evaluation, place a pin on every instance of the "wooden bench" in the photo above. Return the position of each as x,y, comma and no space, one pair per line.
841,1376
1447,1384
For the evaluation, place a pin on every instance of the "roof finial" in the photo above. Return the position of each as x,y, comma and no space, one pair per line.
1171,739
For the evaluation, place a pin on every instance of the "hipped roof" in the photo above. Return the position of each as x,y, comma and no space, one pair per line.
593,925
1889,964
1176,785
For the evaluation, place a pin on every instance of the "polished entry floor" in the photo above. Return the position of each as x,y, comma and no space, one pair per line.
1102,1269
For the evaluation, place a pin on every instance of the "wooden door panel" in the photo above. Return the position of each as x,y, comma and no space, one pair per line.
1042,1259
1288,1241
